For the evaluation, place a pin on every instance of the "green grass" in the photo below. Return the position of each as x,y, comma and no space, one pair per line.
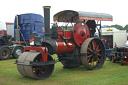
109,74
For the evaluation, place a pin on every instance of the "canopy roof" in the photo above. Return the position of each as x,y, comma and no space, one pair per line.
74,16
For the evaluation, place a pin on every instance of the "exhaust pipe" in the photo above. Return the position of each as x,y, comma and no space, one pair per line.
47,20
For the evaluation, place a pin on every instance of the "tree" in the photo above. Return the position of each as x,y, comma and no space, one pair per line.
126,28
117,26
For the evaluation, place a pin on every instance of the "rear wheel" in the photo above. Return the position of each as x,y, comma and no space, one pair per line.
4,53
93,53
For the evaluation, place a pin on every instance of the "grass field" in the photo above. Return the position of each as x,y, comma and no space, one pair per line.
109,74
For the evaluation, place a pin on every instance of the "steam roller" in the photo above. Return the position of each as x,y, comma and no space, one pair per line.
73,42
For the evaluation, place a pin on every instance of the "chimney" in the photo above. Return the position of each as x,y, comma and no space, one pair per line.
47,20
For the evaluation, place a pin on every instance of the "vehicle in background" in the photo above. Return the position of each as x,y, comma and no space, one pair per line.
7,48
14,36
115,44
7,28
25,25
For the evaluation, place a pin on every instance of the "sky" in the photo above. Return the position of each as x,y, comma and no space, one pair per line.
117,8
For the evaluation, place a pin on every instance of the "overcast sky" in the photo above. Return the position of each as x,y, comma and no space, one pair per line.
117,8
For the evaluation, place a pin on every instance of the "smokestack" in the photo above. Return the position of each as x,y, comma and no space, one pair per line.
47,20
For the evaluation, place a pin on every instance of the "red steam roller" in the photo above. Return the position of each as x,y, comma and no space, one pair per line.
71,38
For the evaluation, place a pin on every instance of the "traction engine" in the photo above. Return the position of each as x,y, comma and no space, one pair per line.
73,42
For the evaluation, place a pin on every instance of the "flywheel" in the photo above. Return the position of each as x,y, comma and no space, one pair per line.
80,33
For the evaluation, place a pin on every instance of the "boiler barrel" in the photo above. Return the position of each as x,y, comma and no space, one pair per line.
64,47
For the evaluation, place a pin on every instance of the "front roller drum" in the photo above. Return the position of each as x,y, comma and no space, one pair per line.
34,71
93,53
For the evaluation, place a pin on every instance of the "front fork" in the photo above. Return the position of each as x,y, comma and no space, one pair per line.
43,50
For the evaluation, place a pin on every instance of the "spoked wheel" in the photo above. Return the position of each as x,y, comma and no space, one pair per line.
37,72
4,53
93,53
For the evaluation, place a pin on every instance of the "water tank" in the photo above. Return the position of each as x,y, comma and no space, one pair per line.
28,23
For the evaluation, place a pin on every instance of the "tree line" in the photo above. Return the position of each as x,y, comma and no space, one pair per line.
120,27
